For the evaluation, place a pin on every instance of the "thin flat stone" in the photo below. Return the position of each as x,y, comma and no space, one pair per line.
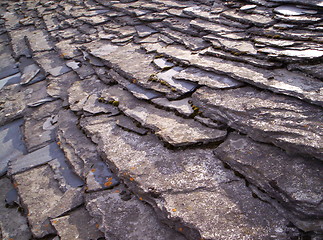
13,79
58,86
129,124
127,220
12,145
181,184
48,195
295,182
302,54
172,129
51,63
284,121
144,31
291,10
10,217
163,63
34,159
38,41
179,85
209,79
181,106
77,225
278,80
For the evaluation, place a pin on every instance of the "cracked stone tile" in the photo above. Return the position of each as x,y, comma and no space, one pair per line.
209,79
181,106
51,63
284,121
12,224
37,132
180,184
182,86
31,72
129,124
34,159
58,86
77,225
279,80
298,189
132,219
12,145
48,195
163,63
172,129
81,154
84,96
71,199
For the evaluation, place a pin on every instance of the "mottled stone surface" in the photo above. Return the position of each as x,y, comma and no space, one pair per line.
47,192
12,224
295,182
76,225
172,129
179,184
132,219
286,122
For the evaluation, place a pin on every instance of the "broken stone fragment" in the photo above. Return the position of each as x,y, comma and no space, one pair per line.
266,117
163,63
13,79
171,128
293,182
128,220
78,224
129,124
181,106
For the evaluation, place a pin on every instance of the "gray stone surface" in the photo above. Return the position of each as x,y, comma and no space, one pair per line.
47,192
209,79
295,182
132,219
34,159
279,81
12,224
12,145
286,122
76,225
181,185
181,106
172,129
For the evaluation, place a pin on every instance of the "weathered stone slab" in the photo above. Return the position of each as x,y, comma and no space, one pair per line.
209,79
40,124
12,224
132,219
129,124
38,40
294,182
13,79
180,184
301,54
77,225
48,195
51,63
278,80
172,129
12,145
144,31
31,73
12,104
286,122
34,159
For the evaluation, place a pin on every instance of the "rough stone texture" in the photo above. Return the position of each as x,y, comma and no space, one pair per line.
295,182
77,225
181,106
47,192
132,219
280,80
172,129
12,224
286,122
180,185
